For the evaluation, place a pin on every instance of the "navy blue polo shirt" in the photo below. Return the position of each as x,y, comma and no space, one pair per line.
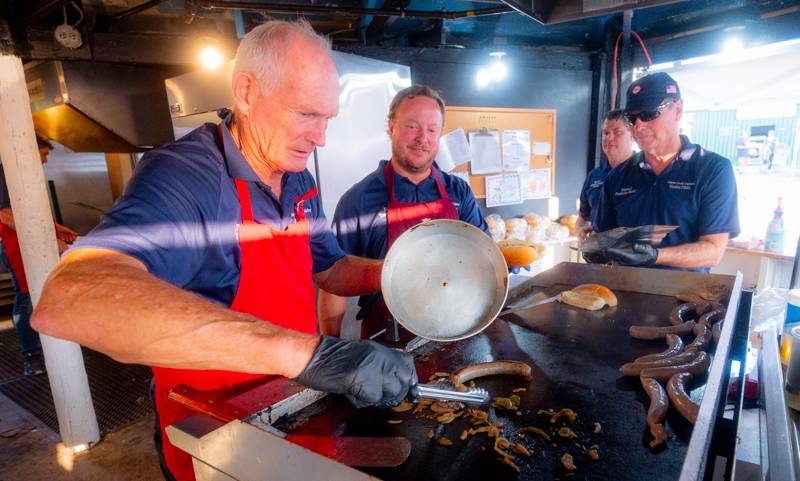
696,192
592,191
360,219
180,211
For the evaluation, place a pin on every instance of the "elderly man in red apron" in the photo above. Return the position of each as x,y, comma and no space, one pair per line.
206,267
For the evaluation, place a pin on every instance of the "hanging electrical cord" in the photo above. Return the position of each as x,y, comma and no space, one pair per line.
616,50
80,12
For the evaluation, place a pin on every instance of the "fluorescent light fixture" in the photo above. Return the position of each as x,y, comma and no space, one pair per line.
211,58
483,78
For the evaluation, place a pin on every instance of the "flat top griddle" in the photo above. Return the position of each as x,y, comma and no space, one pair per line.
575,355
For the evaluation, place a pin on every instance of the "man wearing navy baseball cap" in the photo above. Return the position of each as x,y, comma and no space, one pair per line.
670,182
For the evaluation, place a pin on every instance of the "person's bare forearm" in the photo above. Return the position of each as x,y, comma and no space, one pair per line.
351,276
330,310
694,255
109,302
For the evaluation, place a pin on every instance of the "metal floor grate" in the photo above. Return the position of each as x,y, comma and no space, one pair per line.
119,391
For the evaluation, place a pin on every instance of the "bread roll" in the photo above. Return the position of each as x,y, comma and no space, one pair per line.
533,220
597,290
570,222
518,253
584,301
516,228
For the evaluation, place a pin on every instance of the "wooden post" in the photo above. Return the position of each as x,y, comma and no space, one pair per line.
34,223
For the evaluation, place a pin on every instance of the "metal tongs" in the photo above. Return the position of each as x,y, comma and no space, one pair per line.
444,392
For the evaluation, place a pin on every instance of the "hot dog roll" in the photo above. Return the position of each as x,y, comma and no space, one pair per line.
650,333
659,403
702,340
511,368
688,297
676,390
583,301
597,290
698,366
682,313
675,344
636,368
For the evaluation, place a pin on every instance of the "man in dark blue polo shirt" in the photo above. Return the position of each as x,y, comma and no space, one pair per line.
203,269
410,179
617,144
670,182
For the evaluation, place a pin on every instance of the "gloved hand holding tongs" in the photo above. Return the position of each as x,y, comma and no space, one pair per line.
627,246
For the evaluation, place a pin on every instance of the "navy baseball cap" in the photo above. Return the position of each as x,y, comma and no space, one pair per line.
650,91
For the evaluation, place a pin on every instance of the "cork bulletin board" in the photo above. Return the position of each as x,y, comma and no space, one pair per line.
541,124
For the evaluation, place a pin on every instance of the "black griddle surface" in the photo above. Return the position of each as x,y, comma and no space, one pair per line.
575,355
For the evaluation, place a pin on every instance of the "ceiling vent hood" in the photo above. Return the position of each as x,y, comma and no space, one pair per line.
99,107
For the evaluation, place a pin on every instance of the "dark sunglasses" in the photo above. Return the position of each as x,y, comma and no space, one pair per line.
648,116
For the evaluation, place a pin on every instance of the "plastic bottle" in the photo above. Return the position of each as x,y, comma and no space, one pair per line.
774,240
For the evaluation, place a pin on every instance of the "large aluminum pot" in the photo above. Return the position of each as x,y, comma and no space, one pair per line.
444,280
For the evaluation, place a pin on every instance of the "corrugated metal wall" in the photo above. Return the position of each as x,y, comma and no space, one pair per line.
718,131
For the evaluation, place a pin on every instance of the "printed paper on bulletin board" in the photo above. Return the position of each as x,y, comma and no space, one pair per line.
540,123
535,184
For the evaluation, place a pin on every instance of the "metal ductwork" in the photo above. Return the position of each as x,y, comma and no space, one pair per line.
99,107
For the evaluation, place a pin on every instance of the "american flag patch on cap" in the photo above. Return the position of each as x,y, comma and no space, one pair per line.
672,89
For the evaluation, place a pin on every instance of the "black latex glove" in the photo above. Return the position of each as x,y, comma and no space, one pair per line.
597,257
365,372
638,254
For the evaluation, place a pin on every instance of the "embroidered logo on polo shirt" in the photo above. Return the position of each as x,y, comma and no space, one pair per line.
625,191
672,184
595,184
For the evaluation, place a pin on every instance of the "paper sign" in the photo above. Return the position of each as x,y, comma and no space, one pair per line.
503,190
535,184
516,149
484,148
453,150
541,148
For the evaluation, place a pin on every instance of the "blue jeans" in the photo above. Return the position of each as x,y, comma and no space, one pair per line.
21,316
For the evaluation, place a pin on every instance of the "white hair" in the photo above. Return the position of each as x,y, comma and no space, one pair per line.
264,51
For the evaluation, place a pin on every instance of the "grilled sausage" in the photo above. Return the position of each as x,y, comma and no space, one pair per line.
680,314
716,331
712,316
702,340
649,333
635,368
511,368
675,347
696,367
678,396
659,403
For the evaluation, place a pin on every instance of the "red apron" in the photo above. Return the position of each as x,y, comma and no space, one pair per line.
401,216
14,255
274,285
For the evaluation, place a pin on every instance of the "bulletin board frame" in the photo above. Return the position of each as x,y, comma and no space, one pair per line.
540,122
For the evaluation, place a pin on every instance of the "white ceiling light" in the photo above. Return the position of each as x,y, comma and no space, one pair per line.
498,69
483,78
211,58
732,46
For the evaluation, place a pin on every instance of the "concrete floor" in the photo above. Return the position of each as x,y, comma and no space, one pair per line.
31,452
